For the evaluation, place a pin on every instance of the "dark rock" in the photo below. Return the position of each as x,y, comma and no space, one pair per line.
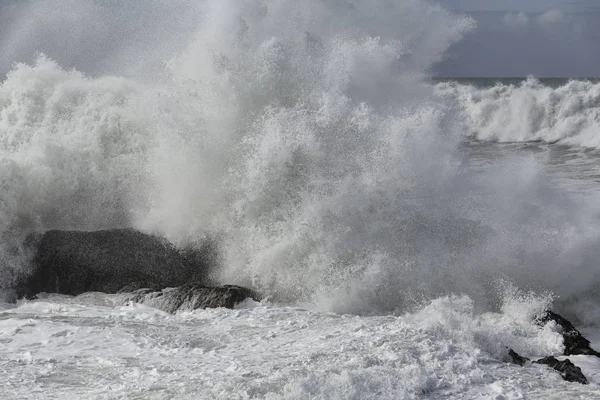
569,371
516,358
192,296
574,341
139,285
74,262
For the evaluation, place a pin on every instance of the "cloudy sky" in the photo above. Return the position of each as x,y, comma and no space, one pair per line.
545,38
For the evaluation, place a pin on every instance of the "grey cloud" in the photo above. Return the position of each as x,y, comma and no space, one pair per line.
516,20
516,6
549,21
552,18
557,23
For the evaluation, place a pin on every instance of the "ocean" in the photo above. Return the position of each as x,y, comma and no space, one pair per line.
404,230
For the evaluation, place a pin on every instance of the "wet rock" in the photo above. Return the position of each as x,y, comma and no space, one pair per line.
569,371
74,262
192,296
516,358
139,285
574,341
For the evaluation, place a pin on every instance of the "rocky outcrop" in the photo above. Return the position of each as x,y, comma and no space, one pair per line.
575,343
74,262
142,268
191,296
569,371
517,359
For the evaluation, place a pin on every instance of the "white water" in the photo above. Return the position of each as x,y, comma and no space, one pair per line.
531,111
302,137
87,347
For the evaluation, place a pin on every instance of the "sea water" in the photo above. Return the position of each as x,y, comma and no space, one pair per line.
404,231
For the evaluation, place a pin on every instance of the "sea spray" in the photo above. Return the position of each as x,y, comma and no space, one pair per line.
303,137
340,141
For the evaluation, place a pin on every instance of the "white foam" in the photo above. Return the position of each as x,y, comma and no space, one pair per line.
73,347
531,111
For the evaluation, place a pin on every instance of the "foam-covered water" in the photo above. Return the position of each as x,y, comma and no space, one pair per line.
306,139
445,350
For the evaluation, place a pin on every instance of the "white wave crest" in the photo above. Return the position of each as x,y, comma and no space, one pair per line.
531,111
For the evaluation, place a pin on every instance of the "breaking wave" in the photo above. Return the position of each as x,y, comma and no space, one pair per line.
302,135
531,111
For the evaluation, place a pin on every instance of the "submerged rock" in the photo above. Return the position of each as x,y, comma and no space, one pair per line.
574,341
192,296
74,262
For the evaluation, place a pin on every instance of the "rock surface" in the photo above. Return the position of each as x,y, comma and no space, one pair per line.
569,371
74,262
191,296
574,341
516,358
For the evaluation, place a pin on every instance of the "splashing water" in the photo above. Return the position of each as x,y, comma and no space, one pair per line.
303,137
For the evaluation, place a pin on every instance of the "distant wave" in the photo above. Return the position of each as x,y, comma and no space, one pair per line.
531,111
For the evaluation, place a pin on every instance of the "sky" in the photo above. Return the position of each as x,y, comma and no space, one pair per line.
515,38
521,5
